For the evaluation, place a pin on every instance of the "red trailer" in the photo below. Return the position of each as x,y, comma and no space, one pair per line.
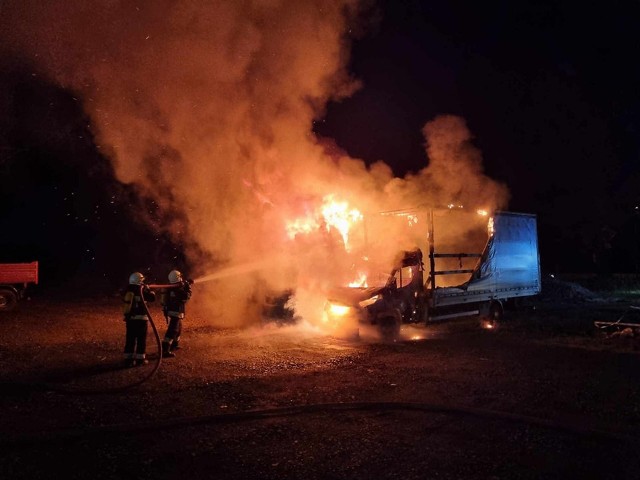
14,280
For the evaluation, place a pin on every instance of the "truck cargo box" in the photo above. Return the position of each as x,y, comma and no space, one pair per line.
508,267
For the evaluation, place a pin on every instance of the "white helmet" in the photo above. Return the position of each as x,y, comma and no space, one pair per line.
136,278
175,276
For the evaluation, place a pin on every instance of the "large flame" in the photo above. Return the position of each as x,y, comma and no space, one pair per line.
208,108
332,214
301,225
338,215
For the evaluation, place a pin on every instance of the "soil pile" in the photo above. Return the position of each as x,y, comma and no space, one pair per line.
556,290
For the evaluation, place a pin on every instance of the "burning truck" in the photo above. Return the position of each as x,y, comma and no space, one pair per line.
507,268
423,288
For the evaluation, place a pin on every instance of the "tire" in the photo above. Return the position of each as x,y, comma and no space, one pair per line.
8,300
389,328
496,311
491,314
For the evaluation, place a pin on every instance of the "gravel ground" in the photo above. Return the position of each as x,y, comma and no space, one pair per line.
544,396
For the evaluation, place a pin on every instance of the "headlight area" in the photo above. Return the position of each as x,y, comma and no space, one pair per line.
334,312
338,315
341,320
337,312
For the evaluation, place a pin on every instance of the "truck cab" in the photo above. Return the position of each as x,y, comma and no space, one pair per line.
401,299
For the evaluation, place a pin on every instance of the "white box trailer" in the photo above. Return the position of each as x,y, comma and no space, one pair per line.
509,267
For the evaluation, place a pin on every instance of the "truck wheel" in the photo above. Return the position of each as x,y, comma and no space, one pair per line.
496,312
491,314
8,299
389,328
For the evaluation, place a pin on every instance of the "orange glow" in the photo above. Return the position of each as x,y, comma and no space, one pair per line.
304,225
332,214
490,227
481,212
488,325
361,281
238,121
338,310
338,215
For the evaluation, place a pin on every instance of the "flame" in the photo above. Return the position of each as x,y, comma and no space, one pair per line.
303,225
339,310
361,281
332,214
488,325
482,212
338,215
490,227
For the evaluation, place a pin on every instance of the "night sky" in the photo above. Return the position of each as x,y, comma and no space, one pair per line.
549,90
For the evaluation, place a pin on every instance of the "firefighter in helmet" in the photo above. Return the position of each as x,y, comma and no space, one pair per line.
174,300
136,319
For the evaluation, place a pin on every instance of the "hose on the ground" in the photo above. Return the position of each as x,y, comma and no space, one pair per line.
71,434
53,387
225,418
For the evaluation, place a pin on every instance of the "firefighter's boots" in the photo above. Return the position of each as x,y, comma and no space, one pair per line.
166,353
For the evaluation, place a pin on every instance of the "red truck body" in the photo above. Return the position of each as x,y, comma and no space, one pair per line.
17,273
14,279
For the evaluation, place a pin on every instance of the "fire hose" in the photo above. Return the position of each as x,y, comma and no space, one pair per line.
101,431
91,391
71,434
215,419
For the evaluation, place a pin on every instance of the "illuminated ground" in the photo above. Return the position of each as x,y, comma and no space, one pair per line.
541,397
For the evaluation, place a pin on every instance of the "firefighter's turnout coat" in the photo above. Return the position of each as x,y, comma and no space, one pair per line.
175,299
136,319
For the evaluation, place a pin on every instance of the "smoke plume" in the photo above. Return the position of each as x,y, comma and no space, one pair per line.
207,107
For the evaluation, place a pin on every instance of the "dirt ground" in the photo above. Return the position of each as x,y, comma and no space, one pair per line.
545,396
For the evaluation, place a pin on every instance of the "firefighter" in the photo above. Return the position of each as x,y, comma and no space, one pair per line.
136,319
174,300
